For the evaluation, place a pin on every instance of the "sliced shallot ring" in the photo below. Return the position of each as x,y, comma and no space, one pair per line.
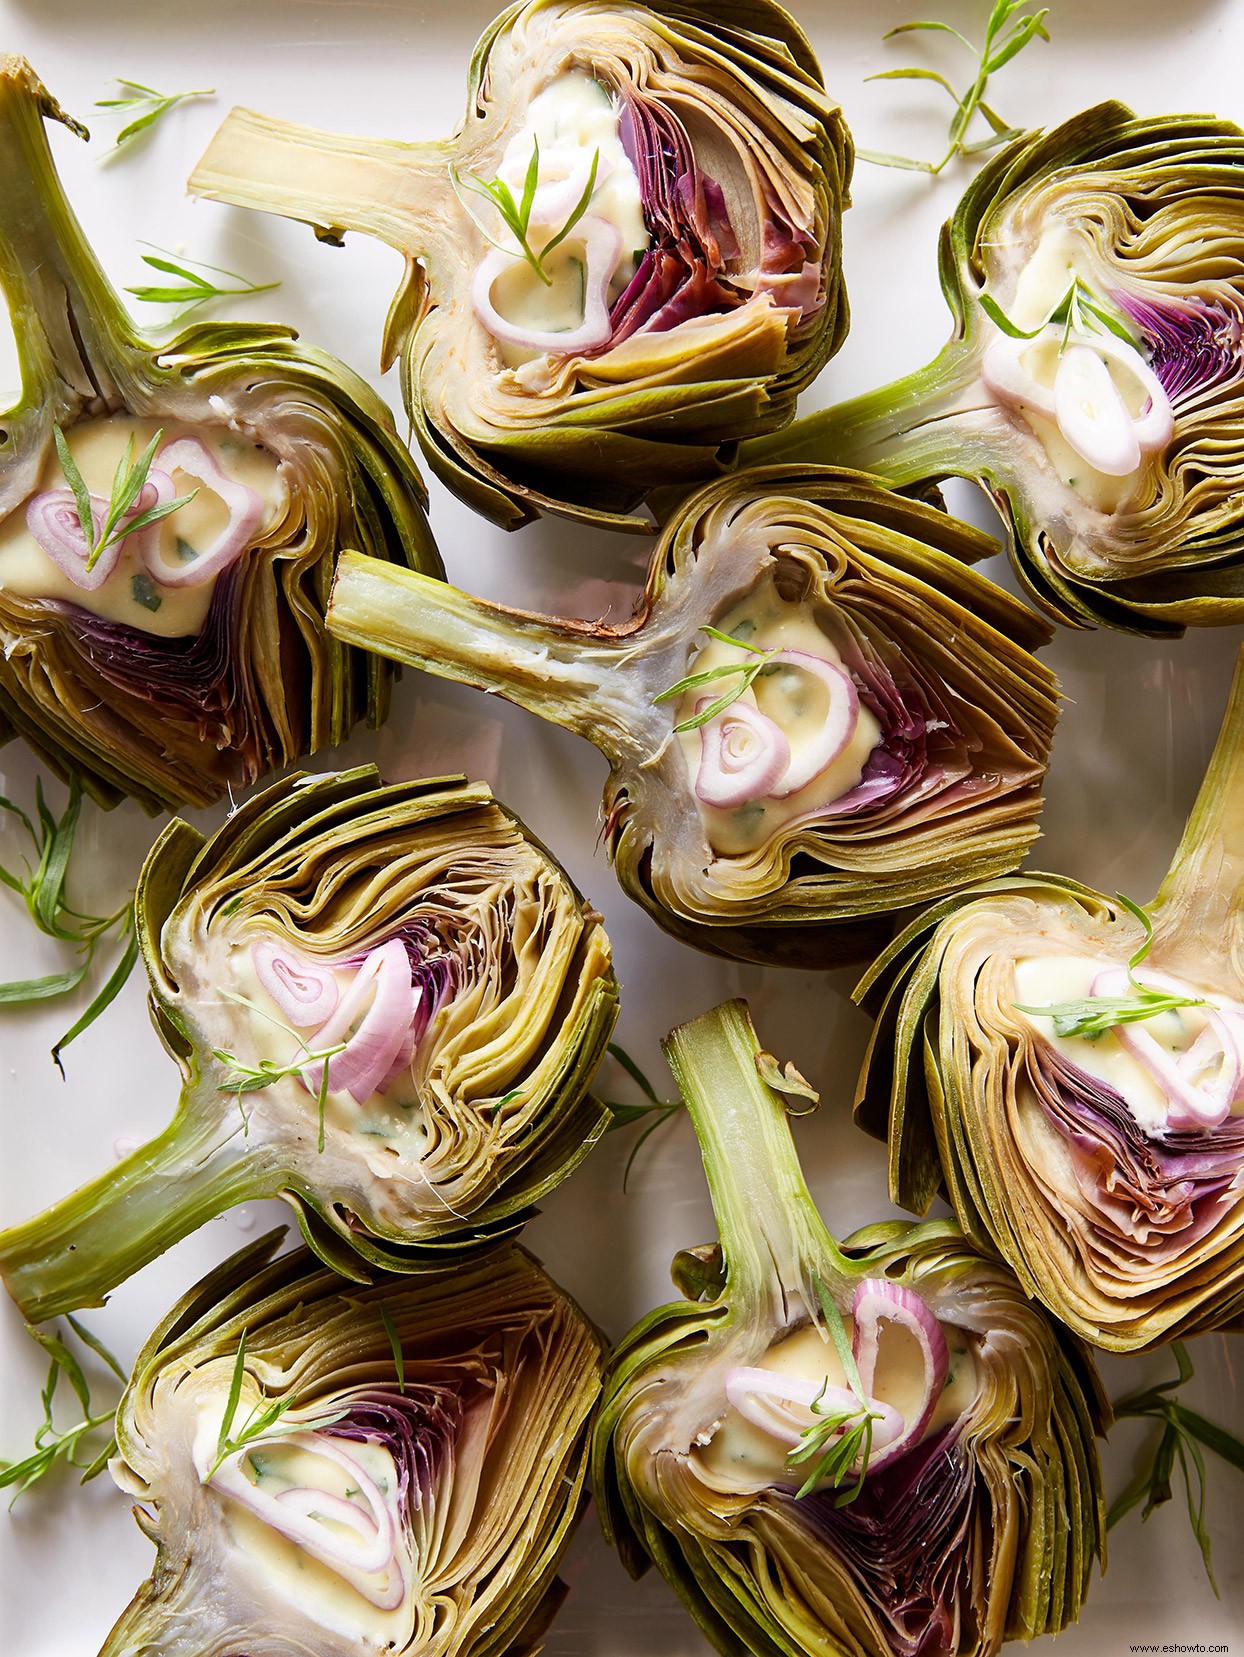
760,1394
1003,374
1187,1103
54,526
601,243
836,730
369,1054
1092,415
305,991
877,1300
556,198
285,1517
244,504
729,777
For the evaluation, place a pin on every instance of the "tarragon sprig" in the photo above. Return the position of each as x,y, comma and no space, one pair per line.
516,215
839,1443
151,105
747,674
1078,311
1006,35
263,1420
192,290
128,483
652,1113
1184,1433
41,886
1093,1015
55,1447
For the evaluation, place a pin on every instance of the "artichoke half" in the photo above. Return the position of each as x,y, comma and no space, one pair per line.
1095,381
392,1468
819,715
183,651
627,259
386,1004
1071,1068
874,1450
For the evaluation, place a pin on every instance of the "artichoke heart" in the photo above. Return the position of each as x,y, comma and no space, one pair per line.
1071,1069
873,1449
1094,381
628,258
170,518
819,715
392,1468
386,1002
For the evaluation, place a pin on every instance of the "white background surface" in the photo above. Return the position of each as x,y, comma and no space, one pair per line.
1135,732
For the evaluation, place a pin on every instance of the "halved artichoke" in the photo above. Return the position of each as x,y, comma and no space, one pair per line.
386,1003
874,1450
1071,1068
885,732
1095,381
340,1469
188,654
627,259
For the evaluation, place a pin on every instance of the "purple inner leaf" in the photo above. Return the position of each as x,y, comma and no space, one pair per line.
907,1538
1194,347
418,1428
1161,1195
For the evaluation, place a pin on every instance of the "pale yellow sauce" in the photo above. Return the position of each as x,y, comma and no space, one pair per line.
279,1565
734,1453
394,1121
1063,253
575,114
1044,980
795,700
97,446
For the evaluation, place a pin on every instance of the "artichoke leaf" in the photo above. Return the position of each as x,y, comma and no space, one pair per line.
1110,241
198,661
707,241
978,1523
798,612
390,1466
387,1004
1064,1066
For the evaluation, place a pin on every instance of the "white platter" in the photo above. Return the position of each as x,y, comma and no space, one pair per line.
1135,733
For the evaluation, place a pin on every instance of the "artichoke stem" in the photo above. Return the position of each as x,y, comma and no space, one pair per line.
549,667
909,431
67,321
77,1251
1198,914
766,1219
331,181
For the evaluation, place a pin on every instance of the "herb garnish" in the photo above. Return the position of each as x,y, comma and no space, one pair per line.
52,1446
517,214
262,1420
1000,46
193,290
1093,1015
1184,1432
151,104
835,1458
1074,310
128,483
747,673
658,1109
42,889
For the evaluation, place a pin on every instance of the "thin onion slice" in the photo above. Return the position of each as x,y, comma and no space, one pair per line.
244,505
876,1301
305,992
53,522
1195,1096
835,730
601,244
743,755
779,1405
372,1050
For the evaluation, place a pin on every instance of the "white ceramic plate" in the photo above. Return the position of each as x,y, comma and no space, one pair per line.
1135,733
